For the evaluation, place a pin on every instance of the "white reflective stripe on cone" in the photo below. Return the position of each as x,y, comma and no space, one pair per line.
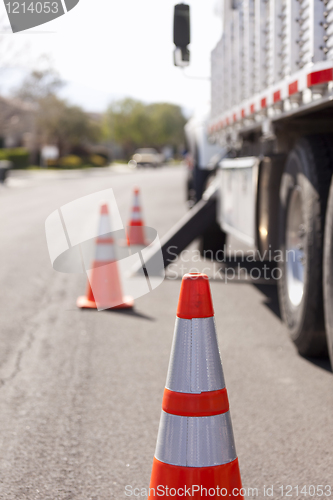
195,363
136,201
195,441
105,252
136,215
104,225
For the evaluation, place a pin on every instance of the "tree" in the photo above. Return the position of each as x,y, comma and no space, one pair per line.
132,124
67,125
56,121
39,84
127,124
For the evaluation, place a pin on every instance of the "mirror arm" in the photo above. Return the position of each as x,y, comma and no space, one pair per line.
181,57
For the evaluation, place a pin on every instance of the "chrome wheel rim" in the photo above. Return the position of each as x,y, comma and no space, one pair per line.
295,255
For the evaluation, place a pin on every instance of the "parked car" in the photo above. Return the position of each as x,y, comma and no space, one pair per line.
147,157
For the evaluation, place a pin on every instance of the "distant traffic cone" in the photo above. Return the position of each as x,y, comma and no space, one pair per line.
104,286
135,235
195,454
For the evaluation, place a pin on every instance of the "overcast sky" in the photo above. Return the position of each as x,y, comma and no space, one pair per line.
108,49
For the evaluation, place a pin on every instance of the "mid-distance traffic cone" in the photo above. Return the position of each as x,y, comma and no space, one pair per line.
135,234
104,286
195,454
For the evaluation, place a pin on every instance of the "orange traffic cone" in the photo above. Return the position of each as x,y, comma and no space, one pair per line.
104,286
136,234
195,453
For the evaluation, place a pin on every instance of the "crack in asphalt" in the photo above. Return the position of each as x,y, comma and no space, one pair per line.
19,356
29,335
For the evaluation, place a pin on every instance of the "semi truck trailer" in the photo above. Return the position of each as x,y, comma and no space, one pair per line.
272,116
271,110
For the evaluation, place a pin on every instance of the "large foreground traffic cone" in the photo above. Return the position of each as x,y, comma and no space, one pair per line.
104,285
195,453
135,235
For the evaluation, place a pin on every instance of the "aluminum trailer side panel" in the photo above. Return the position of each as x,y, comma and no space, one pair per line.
275,56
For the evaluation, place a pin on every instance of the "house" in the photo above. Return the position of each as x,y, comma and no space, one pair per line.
17,124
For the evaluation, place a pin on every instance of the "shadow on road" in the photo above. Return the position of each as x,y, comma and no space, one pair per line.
235,270
322,363
130,312
256,274
271,301
126,312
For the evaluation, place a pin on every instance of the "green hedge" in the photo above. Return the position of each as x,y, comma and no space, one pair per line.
18,156
74,161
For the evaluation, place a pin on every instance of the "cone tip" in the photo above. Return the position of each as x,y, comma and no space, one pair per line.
136,190
104,208
195,300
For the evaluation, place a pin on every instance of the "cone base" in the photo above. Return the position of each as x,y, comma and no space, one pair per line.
84,303
225,477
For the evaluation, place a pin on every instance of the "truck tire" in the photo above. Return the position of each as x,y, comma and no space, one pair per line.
328,274
303,199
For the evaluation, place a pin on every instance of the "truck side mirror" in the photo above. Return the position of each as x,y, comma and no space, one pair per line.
181,34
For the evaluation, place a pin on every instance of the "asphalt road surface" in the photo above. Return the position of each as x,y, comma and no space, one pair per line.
81,391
